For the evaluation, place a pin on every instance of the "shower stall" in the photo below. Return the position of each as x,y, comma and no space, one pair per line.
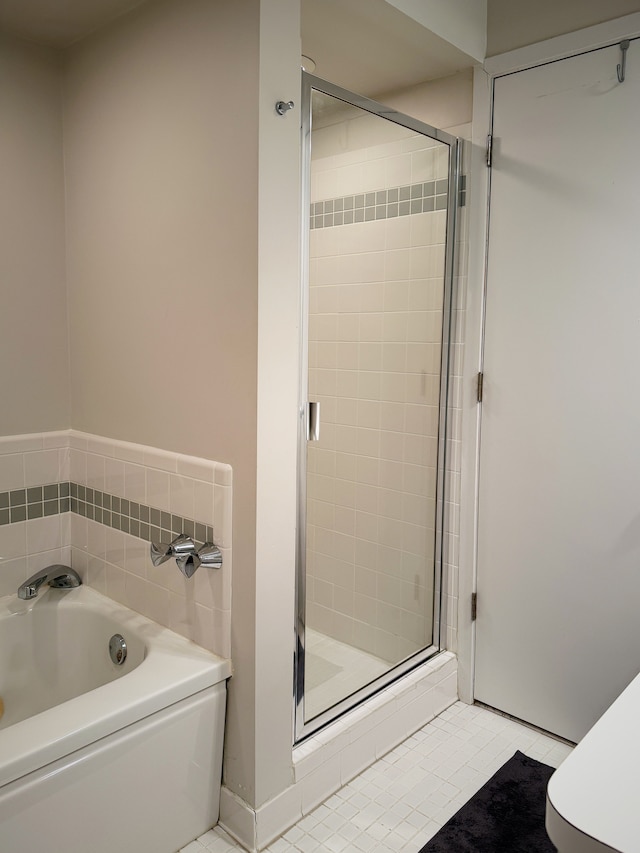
381,193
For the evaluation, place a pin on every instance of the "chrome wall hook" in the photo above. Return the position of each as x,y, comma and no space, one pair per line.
284,106
621,68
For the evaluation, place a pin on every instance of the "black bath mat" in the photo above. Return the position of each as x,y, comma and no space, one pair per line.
505,816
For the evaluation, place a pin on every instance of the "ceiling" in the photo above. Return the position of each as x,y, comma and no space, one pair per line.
368,46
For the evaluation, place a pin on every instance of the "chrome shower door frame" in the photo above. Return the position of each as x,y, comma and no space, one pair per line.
311,83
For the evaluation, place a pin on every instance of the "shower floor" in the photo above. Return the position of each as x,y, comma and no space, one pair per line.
334,670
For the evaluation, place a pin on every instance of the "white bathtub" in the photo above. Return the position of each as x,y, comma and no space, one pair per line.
96,757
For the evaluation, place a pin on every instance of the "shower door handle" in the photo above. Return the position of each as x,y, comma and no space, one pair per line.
313,421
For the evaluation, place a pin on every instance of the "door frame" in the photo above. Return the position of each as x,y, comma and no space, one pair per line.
541,53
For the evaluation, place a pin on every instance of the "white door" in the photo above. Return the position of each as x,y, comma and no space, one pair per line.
558,628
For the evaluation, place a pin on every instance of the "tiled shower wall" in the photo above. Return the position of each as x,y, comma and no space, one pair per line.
95,504
375,319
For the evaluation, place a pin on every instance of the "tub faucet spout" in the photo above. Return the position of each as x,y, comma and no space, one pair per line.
59,577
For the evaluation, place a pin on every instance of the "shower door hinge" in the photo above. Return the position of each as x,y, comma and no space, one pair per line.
462,191
480,387
474,606
489,150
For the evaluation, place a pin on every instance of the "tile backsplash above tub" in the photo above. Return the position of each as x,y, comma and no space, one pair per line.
96,503
29,540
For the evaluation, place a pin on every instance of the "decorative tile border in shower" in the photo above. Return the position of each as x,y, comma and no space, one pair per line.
422,197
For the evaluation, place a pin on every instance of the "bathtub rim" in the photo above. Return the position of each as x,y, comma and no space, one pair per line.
173,669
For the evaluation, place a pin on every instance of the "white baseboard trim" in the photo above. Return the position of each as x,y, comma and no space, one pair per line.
331,758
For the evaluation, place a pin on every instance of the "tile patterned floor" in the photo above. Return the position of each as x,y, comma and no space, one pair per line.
402,800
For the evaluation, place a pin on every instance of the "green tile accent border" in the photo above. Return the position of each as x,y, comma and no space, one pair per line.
423,197
144,522
34,502
140,520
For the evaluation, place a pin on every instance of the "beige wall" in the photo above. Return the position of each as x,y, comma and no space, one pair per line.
515,23
444,103
161,155
34,381
160,173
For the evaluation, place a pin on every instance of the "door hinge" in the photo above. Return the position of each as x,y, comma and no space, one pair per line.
474,606
489,150
462,191
480,387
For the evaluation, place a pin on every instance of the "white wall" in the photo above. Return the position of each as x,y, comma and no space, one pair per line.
34,381
277,402
551,20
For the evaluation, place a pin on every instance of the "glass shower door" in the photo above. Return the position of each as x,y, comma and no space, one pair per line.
376,315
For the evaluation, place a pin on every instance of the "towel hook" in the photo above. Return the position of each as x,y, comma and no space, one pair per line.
284,106
622,66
